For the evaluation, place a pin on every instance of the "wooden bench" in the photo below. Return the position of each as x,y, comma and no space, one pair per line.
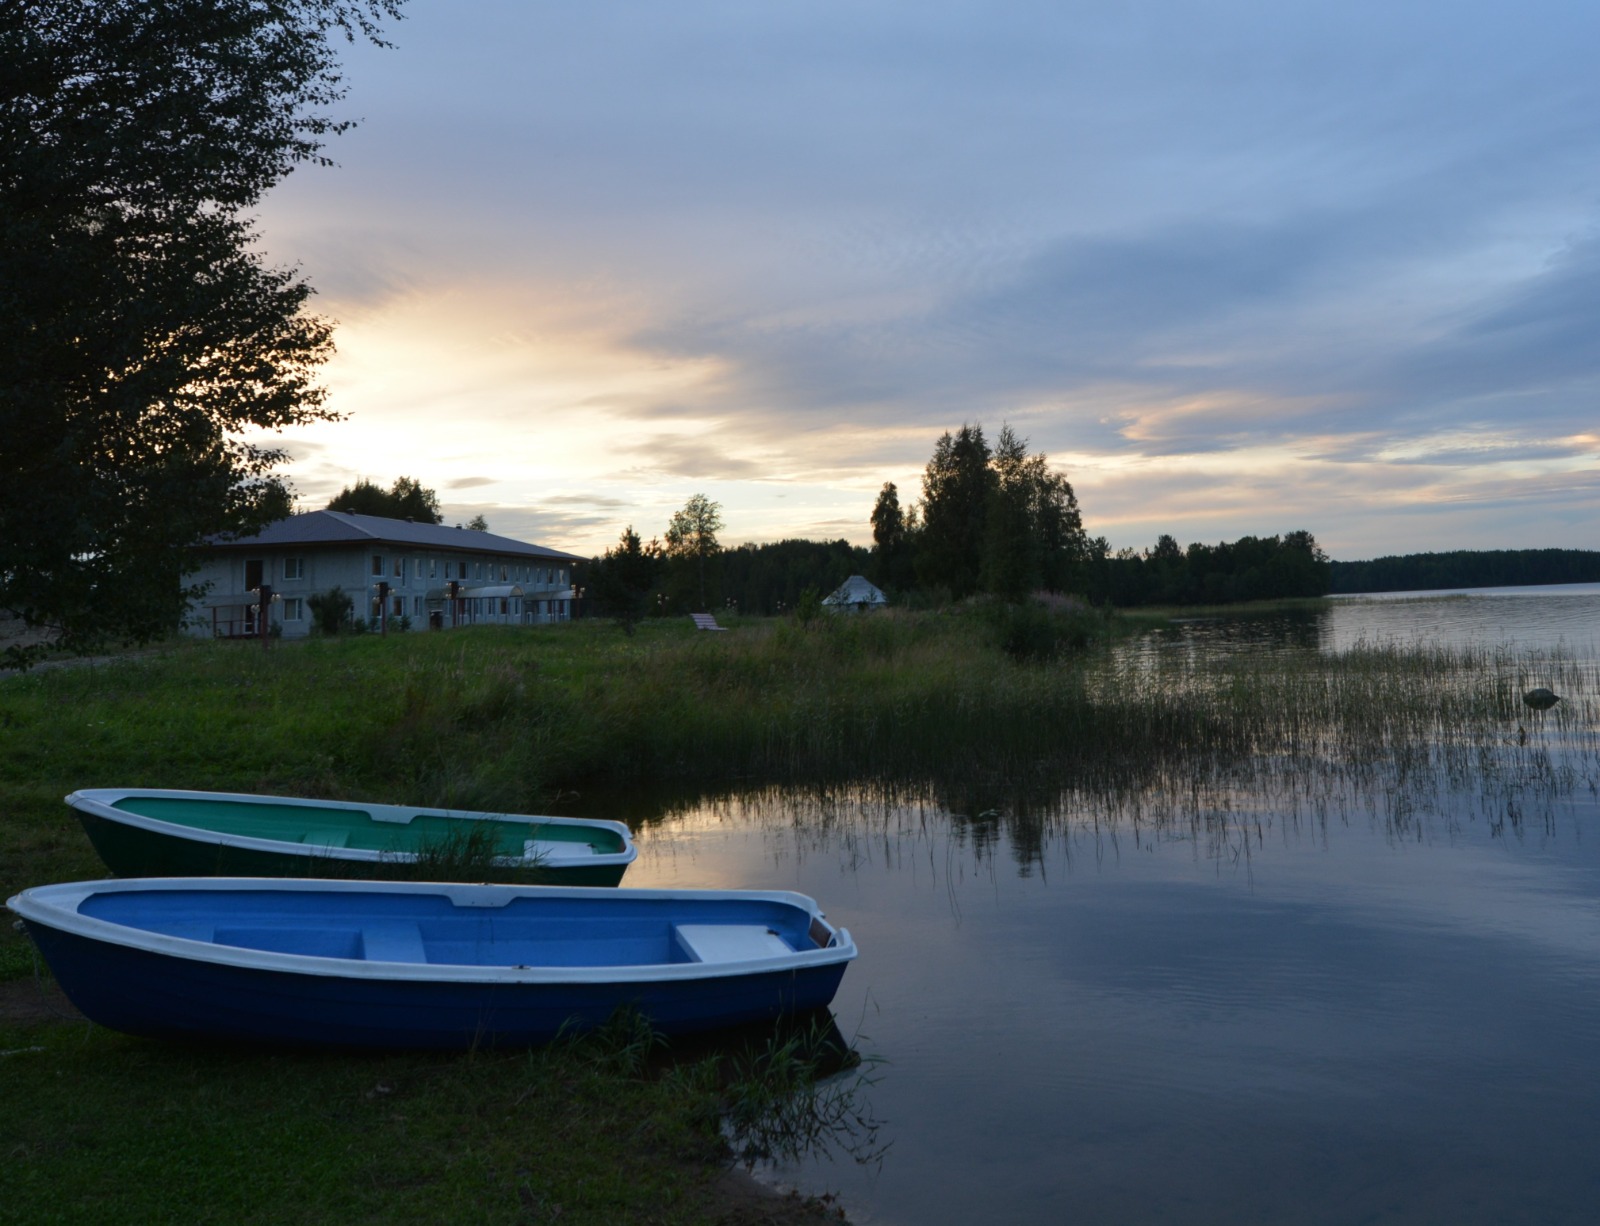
705,621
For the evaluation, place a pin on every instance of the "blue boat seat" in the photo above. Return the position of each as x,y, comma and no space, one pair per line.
393,943
729,942
328,836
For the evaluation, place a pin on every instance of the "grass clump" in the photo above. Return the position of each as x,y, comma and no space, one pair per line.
595,1129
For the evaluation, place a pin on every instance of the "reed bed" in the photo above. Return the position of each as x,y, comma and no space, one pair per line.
535,721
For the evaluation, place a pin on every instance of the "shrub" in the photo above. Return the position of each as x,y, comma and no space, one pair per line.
1037,630
330,610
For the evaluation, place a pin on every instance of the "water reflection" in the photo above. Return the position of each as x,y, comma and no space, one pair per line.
1345,967
792,1090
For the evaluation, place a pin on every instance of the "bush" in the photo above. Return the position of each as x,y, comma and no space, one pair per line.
330,610
1043,628
809,607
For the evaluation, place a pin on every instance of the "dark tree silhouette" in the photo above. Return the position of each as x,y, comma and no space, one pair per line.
955,501
408,498
692,537
142,338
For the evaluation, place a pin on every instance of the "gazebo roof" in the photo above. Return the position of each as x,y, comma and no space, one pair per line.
857,590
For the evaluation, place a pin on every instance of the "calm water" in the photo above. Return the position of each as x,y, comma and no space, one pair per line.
1309,1019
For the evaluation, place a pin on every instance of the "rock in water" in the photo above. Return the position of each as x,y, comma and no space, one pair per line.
1541,699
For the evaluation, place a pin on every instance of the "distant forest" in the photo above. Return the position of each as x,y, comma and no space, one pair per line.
1250,568
998,521
769,579
993,520
1422,572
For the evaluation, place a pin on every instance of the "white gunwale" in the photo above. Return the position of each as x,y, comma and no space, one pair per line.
101,802
56,906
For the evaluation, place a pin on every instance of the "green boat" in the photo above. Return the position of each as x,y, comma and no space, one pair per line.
142,832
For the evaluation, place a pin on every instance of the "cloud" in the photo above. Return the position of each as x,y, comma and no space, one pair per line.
1228,267
1533,334
695,457
598,502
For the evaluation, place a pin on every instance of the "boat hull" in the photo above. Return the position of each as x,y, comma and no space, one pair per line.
138,845
145,994
161,986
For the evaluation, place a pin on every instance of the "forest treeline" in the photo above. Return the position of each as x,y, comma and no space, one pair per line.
1423,572
992,520
1250,568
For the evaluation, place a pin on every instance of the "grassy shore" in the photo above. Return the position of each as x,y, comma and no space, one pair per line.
991,713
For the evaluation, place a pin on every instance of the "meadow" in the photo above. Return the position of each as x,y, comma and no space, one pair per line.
993,716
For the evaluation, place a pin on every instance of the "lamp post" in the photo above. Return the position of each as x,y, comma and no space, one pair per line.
264,599
383,607
452,589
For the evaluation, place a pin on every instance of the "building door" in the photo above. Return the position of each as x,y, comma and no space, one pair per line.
253,571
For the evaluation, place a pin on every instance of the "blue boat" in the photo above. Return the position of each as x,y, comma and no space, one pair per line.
425,965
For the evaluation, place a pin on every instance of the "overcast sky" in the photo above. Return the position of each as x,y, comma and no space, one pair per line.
1235,267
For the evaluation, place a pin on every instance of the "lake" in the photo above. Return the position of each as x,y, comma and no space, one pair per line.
1307,1013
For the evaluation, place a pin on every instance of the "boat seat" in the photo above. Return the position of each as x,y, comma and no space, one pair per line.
393,943
329,836
729,942
546,851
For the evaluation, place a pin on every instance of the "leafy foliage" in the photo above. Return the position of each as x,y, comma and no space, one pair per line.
893,533
1251,568
141,336
691,541
999,521
956,488
620,583
331,610
407,498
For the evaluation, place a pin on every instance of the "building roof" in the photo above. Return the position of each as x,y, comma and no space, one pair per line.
343,528
857,590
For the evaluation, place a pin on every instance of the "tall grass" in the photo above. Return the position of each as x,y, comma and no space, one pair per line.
515,720
889,715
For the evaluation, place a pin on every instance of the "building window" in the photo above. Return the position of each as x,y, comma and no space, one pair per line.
461,568
399,606
294,568
433,568
505,572
377,564
399,567
292,609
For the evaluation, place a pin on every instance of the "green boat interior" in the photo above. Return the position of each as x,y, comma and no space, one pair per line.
341,826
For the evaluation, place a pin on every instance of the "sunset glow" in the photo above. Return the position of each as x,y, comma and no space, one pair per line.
1233,275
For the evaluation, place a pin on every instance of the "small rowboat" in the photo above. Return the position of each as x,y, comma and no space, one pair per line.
425,965
156,833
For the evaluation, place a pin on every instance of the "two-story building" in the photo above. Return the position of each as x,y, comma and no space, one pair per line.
398,573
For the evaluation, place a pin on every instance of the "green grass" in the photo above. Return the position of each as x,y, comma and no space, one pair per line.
524,721
1076,724
103,1128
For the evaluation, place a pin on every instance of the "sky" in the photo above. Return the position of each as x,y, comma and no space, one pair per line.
1235,268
